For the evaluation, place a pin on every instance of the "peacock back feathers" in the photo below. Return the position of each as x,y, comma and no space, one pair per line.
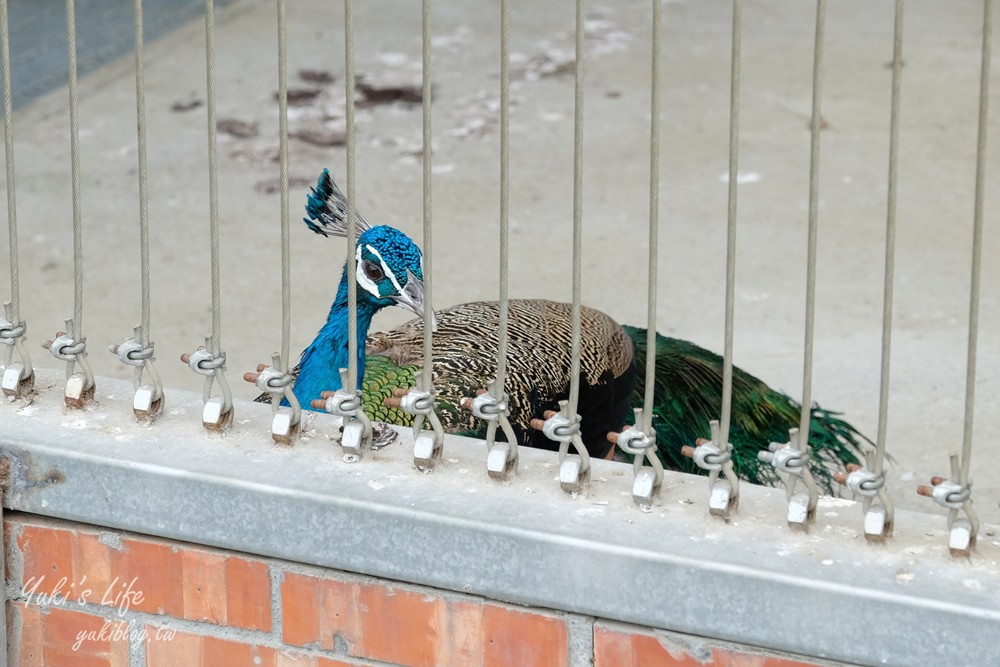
465,346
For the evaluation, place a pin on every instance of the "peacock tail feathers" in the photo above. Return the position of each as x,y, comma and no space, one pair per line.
688,395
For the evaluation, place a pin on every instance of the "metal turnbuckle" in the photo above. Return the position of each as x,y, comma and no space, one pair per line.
217,415
357,428
951,494
147,403
642,445
871,487
285,421
428,444
501,458
18,376
791,461
564,428
724,494
80,386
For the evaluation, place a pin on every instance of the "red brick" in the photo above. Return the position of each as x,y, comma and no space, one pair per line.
376,621
523,638
65,638
204,589
248,594
154,571
614,648
148,575
300,613
165,648
399,626
416,629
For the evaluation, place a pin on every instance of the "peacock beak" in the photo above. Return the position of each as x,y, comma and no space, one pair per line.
411,298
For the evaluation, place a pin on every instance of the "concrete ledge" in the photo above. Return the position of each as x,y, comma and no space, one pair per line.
827,594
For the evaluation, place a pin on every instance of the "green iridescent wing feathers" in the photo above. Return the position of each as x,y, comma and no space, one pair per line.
688,395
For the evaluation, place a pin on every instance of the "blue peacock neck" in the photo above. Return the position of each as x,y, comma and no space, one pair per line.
319,367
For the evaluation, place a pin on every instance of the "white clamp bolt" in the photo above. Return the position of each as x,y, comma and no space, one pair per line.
493,408
574,470
357,428
642,445
879,522
724,495
792,459
218,412
957,497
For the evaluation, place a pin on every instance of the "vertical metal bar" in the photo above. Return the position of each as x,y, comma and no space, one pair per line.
425,21
352,279
140,113
977,243
574,387
805,418
213,180
74,143
654,219
504,196
286,280
8,136
890,240
734,158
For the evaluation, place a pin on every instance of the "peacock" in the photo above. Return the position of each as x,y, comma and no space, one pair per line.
612,365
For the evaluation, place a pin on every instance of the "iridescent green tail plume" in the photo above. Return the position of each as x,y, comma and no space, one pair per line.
689,394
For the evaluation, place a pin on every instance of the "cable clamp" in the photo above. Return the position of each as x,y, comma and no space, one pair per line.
11,331
204,362
217,413
564,428
357,428
493,407
642,445
724,494
132,352
793,459
18,377
956,497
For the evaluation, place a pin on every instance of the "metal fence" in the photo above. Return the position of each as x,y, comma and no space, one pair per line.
868,481
70,346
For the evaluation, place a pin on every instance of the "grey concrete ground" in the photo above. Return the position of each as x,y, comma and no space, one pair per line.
104,32
940,92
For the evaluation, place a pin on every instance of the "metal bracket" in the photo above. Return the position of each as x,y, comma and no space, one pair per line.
357,428
642,445
428,444
217,414
18,376
494,409
793,459
285,421
79,384
724,494
147,403
564,428
950,493
871,487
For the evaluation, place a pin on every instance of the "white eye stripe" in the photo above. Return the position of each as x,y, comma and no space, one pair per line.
366,283
385,267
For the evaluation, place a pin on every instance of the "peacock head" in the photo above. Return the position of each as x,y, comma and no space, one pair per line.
390,269
389,264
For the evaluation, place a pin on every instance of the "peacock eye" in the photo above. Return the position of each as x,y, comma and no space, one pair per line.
373,271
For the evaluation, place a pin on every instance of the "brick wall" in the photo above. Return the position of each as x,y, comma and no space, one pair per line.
81,596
